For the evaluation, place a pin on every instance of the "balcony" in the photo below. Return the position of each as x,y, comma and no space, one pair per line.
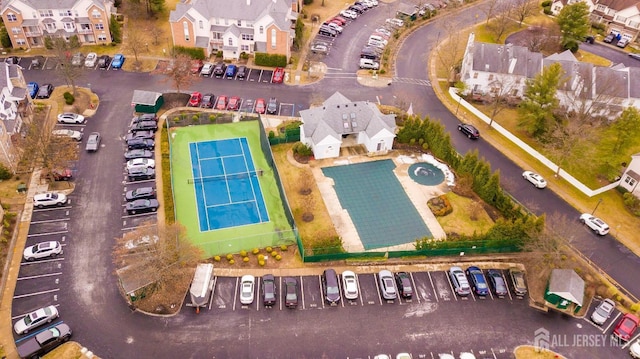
33,33
85,31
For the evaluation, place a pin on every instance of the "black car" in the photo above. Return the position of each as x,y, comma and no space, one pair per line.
139,134
12,60
104,61
219,69
44,341
330,286
208,100
141,144
141,173
497,283
327,31
140,193
403,282
268,290
142,205
139,153
290,292
45,91
357,8
145,117
272,106
242,72
144,126
469,130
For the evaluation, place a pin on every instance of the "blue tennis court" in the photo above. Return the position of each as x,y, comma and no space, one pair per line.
226,184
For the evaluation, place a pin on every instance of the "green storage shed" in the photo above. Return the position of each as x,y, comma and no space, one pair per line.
147,101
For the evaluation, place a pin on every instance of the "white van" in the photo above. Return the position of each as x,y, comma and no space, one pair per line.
374,43
369,64
378,38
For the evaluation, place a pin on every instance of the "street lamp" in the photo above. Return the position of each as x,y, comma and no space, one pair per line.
597,204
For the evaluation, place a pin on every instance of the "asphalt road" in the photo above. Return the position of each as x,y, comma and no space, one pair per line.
86,289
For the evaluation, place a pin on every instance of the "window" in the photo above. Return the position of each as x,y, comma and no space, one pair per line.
96,14
249,24
99,27
21,41
475,75
491,77
185,25
15,30
630,181
261,30
230,41
11,17
273,38
46,13
226,22
102,37
248,37
239,23
50,26
66,13
200,24
68,26
217,21
244,48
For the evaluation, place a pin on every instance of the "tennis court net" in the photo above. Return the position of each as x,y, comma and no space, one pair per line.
226,177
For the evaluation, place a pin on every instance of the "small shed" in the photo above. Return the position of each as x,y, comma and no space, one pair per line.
134,279
407,11
565,290
147,101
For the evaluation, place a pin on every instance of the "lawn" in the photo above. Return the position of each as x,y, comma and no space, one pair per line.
459,221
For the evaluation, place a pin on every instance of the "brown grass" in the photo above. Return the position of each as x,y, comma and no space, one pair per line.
529,352
459,220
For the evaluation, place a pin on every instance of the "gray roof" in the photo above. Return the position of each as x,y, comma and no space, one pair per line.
234,30
19,92
30,22
338,115
407,9
54,4
634,82
82,20
202,41
566,283
506,59
575,74
612,83
3,77
563,56
148,98
217,28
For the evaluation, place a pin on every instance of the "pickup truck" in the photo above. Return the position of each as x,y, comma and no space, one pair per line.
44,342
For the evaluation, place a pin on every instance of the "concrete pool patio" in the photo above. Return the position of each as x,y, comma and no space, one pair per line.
417,193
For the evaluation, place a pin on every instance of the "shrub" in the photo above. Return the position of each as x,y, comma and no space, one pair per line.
307,2
243,253
261,263
382,71
270,60
269,249
68,98
216,258
302,149
255,251
260,257
635,307
5,173
272,134
546,3
195,118
245,259
440,206
547,10
196,53
278,257
232,262
425,147
283,247
274,253
412,142
229,257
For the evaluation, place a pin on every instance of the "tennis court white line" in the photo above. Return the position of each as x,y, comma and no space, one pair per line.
195,192
252,187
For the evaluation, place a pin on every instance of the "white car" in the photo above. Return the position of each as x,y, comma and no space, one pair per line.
383,31
90,60
634,349
35,319
68,117
140,242
336,27
49,199
535,179
42,250
350,285
395,22
596,224
246,289
141,162
403,356
349,14
76,135
603,311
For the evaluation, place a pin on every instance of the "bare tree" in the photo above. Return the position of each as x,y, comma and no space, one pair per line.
567,137
522,9
489,9
136,43
501,89
155,32
449,53
548,245
63,51
498,26
180,73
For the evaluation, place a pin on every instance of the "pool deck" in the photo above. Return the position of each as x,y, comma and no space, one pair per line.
419,195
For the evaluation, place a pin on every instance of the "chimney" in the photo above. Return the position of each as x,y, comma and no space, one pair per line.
248,2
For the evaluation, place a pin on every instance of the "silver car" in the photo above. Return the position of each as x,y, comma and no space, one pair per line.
68,117
93,143
35,319
42,250
387,287
350,285
603,311
246,289
76,135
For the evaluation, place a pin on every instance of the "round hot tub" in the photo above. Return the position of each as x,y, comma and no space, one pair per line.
426,174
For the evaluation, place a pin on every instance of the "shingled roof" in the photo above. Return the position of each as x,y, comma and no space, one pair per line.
506,59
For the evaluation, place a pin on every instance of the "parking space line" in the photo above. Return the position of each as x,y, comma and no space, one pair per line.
413,283
321,290
125,182
35,293
45,234
124,223
375,279
359,290
138,215
455,295
42,261
39,276
39,210
613,321
235,295
301,292
50,220
592,323
257,293
213,289
433,287
632,340
340,290
23,314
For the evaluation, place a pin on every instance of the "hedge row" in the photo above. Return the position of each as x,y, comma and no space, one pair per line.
196,53
271,60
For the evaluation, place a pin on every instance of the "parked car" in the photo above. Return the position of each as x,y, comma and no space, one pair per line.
349,14
634,56
589,39
337,28
91,59
634,349
144,126
14,60
603,311
260,106
609,38
320,48
246,289
208,100
230,73
61,174
290,292
141,174
141,162
469,131
478,281
382,30
369,64
497,283
140,193
45,91
518,283
196,66
272,106
459,281
49,199
221,104
597,225
93,142
626,327
42,250
145,240
537,180
104,61
32,89
207,69
242,72
403,282
35,319
327,31
234,103
44,341
350,285
77,59
142,206
268,290
145,117
69,117
330,286
194,100
387,288
395,22
74,135
219,69
140,134
339,20
278,75
358,9
118,61
623,43
140,144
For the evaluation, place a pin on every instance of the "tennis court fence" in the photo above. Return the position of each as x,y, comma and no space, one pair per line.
227,177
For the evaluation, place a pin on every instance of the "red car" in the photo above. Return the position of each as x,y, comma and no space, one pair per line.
261,106
339,20
195,99
196,66
278,75
234,103
222,103
626,327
